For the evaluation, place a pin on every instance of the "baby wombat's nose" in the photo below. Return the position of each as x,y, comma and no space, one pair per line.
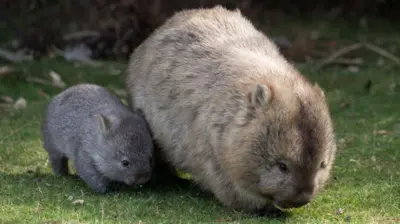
142,177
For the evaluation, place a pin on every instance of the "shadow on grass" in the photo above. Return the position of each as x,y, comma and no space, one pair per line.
31,189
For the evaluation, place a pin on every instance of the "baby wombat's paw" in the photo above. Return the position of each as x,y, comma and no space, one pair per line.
101,188
115,186
97,183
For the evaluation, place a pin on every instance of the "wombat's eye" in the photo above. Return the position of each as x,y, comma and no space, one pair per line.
323,165
283,167
125,163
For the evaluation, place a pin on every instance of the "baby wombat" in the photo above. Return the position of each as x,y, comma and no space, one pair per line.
103,138
224,105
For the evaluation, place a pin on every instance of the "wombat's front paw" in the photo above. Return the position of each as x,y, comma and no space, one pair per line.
100,188
271,211
96,182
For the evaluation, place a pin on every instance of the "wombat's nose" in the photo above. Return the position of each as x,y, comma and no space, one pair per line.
142,177
301,200
139,177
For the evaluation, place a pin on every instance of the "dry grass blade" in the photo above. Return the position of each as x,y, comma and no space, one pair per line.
81,34
78,202
382,52
4,70
39,81
335,55
14,57
21,103
6,99
348,61
56,79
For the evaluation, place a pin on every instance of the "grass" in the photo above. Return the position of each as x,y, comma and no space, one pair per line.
365,179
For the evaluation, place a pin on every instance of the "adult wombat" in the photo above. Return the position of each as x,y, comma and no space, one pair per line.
103,138
224,105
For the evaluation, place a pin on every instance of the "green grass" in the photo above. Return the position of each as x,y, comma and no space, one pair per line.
366,175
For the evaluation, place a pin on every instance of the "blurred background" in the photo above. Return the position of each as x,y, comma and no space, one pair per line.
50,45
106,29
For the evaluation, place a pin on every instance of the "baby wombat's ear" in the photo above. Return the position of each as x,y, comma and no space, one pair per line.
104,122
260,96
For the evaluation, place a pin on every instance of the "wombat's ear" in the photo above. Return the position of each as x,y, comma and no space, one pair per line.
319,90
105,123
261,95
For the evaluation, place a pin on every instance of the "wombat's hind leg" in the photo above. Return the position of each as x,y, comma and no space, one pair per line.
59,164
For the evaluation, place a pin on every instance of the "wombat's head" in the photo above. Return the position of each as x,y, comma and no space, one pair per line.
282,146
125,151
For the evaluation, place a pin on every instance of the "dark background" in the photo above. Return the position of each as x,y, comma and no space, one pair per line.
123,24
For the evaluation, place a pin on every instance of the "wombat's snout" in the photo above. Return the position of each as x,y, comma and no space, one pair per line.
297,202
140,177
301,200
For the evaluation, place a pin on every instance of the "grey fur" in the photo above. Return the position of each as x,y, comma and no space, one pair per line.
96,131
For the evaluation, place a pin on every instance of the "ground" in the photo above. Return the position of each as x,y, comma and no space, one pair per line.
365,184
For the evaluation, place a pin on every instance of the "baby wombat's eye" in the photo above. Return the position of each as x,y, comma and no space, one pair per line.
125,163
283,167
323,165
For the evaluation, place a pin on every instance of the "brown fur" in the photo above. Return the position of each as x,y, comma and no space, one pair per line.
224,105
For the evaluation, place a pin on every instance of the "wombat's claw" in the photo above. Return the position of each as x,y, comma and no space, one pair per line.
271,211
100,187
115,186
